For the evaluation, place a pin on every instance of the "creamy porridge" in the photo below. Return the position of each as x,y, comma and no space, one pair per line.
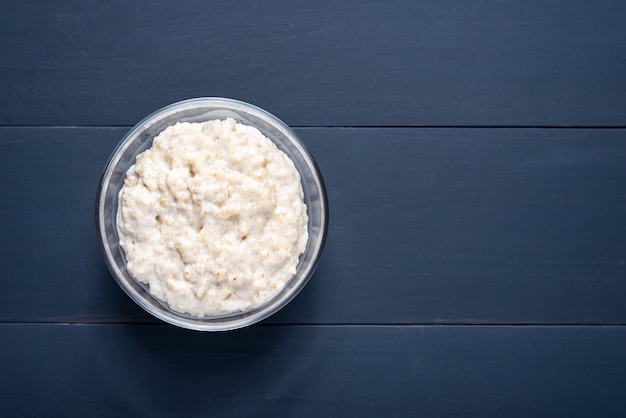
212,218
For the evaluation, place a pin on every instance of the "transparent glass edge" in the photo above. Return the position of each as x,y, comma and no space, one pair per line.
273,305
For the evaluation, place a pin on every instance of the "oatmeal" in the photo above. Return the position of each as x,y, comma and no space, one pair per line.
212,218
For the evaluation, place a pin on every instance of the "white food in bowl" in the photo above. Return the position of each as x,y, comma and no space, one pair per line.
212,218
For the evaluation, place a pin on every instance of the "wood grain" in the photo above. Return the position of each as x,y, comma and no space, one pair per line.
323,63
408,371
476,258
502,226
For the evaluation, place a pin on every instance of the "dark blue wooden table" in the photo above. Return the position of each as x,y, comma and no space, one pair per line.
475,160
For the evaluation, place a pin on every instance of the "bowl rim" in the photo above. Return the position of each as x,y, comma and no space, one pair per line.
235,320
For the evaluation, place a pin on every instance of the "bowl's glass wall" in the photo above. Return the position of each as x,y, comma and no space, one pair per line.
140,138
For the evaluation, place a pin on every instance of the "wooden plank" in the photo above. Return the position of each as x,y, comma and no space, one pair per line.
312,371
323,63
427,226
48,248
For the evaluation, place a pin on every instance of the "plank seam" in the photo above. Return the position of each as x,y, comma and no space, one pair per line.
408,325
554,127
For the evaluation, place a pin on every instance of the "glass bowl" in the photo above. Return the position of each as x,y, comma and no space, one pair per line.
140,137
